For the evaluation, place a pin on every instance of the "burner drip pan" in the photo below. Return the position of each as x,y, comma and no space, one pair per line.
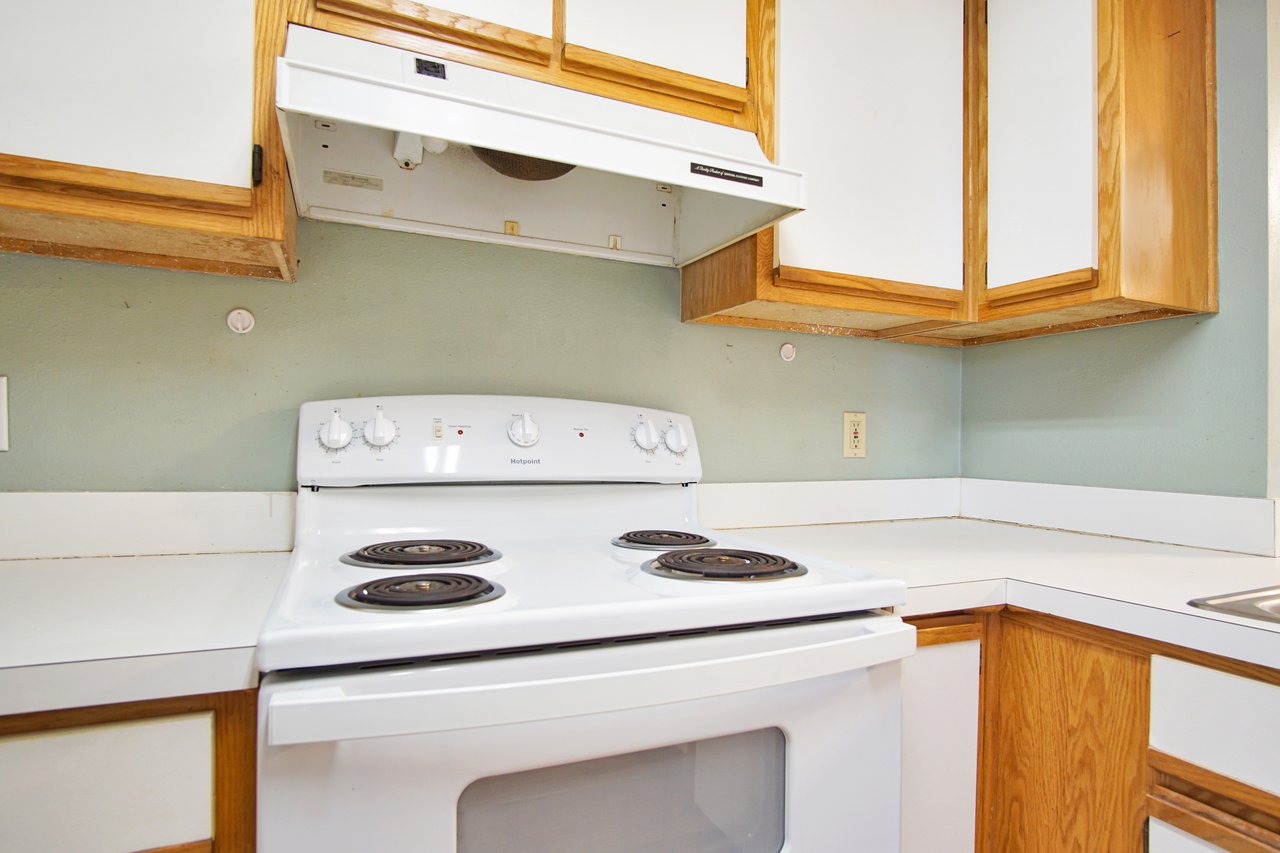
420,592
723,564
421,552
661,540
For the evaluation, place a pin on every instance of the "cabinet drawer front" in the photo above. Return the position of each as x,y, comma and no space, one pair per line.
1163,838
119,786
1224,723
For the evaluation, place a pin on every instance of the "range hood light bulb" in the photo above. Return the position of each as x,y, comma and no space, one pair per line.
434,144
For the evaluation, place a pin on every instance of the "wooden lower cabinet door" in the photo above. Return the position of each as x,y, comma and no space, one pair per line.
1064,741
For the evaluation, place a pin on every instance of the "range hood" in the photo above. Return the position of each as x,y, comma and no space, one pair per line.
388,138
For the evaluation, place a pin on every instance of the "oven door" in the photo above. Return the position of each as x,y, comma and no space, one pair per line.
759,741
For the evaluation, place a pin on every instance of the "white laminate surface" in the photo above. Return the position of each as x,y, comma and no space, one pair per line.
115,629
1125,585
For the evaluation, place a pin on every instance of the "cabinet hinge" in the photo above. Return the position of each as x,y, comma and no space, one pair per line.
985,13
746,74
256,167
984,274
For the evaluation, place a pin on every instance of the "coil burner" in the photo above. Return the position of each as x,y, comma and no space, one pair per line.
421,552
661,540
420,592
723,564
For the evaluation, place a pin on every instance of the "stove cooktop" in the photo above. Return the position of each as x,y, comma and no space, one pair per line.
492,504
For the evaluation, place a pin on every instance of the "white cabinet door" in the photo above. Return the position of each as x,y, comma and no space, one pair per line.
706,39
530,16
1221,722
148,86
871,109
940,748
1042,139
119,786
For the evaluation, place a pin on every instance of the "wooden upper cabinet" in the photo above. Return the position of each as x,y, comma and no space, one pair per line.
870,106
687,58
1101,150
697,50
130,132
1074,155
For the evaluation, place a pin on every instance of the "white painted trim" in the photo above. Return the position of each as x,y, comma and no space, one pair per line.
729,505
1246,525
36,525
1273,247
104,682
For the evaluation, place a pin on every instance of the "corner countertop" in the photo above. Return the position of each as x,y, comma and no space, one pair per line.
1136,587
100,630
116,629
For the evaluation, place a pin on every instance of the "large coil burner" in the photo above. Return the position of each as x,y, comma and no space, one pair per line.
420,592
723,564
421,552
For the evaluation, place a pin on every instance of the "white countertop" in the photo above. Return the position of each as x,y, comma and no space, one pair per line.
1137,587
117,629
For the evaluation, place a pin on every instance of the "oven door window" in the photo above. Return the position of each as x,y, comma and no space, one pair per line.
720,795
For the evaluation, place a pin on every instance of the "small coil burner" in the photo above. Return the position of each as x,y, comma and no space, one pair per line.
723,564
661,540
421,552
420,592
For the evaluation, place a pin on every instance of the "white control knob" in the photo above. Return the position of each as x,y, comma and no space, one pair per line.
646,435
523,431
336,434
676,439
380,431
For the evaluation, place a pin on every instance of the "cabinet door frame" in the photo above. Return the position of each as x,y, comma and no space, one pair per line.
1125,247
151,221
431,29
235,744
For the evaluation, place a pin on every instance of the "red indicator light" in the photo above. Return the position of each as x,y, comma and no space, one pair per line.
582,435
459,432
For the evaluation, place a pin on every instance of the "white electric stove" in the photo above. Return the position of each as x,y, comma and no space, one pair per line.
502,612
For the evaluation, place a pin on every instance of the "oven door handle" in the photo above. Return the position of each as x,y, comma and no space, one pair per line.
298,713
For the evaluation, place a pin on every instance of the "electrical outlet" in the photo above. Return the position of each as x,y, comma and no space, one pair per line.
855,435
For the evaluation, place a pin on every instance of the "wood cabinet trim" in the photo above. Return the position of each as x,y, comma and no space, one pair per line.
235,739
205,846
56,178
1061,284
1227,796
907,293
1141,645
595,63
421,19
942,628
1205,822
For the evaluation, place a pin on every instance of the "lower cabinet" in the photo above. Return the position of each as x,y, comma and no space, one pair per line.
1096,740
176,775
940,735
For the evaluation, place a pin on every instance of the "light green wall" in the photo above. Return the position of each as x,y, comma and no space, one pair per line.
123,378
1176,405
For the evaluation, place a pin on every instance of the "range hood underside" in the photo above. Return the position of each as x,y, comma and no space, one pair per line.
344,172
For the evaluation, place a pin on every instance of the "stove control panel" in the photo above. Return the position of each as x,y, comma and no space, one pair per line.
478,439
